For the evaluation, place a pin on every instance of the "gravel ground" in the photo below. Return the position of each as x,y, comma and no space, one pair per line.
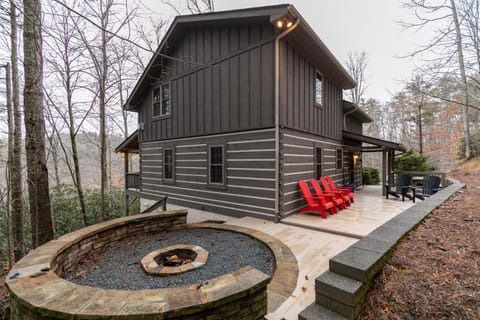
118,267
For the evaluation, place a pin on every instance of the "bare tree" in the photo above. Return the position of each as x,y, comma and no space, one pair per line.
66,59
191,6
463,75
8,171
446,45
37,172
357,67
111,17
16,161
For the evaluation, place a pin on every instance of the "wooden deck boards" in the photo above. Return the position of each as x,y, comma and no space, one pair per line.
313,248
369,211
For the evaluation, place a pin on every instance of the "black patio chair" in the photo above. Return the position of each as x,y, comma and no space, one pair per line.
402,186
430,185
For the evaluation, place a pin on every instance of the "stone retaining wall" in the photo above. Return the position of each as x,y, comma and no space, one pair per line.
340,291
37,292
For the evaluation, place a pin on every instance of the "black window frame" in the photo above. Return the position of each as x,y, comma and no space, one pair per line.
339,161
164,165
318,163
159,102
319,104
218,185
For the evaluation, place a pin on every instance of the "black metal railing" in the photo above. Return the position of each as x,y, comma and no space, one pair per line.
133,180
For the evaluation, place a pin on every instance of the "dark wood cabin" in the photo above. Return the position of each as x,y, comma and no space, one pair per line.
237,106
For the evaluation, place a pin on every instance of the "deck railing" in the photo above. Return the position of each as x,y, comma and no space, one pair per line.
132,180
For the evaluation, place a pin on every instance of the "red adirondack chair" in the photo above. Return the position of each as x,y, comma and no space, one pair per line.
316,204
345,190
336,198
338,193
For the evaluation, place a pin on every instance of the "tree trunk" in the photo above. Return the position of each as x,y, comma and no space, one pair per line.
16,165
102,98
37,172
420,130
8,171
54,150
466,124
77,180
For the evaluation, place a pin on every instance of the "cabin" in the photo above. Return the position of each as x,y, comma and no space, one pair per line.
235,107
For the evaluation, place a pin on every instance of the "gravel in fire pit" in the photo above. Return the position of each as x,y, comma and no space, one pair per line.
118,267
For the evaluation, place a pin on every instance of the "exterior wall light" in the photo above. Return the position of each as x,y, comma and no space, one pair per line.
283,23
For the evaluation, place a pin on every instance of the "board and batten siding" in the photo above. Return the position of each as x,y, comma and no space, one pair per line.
250,173
354,125
296,103
297,163
229,88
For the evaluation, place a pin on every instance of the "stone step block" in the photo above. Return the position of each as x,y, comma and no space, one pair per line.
317,312
342,289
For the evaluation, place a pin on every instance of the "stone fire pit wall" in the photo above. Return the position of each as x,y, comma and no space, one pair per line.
37,291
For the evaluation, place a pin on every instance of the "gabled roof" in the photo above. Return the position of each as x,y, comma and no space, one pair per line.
302,36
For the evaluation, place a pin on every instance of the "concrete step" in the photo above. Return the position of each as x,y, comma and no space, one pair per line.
316,312
340,288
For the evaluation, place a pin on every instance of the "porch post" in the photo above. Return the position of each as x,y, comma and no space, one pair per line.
391,154
125,159
384,171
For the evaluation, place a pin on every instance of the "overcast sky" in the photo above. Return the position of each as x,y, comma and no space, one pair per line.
356,25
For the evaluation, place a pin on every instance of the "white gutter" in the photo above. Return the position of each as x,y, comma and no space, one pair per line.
277,118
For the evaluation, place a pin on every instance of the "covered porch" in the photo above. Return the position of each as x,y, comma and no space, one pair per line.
362,144
128,149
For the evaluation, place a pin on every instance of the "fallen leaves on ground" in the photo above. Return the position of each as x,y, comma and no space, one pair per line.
435,271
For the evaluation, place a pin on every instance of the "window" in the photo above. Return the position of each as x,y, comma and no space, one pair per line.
216,165
168,161
318,162
161,101
318,89
339,159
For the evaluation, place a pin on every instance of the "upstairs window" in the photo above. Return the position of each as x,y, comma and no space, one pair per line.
318,89
318,162
161,100
168,160
216,165
339,159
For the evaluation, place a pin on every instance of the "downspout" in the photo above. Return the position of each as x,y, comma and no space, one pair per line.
277,117
355,108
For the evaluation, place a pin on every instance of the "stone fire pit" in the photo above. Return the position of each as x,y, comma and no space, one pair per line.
38,289
174,260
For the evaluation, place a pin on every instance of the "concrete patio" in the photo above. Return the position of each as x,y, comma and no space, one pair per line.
314,240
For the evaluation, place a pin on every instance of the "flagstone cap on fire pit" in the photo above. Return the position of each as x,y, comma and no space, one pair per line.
196,257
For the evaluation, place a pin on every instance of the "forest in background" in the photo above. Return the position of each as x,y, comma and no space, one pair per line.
92,53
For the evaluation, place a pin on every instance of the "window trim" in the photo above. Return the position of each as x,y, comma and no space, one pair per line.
217,185
341,159
320,105
315,159
166,180
160,88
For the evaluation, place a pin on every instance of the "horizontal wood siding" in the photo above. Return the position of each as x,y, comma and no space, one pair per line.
229,87
297,85
250,173
297,162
